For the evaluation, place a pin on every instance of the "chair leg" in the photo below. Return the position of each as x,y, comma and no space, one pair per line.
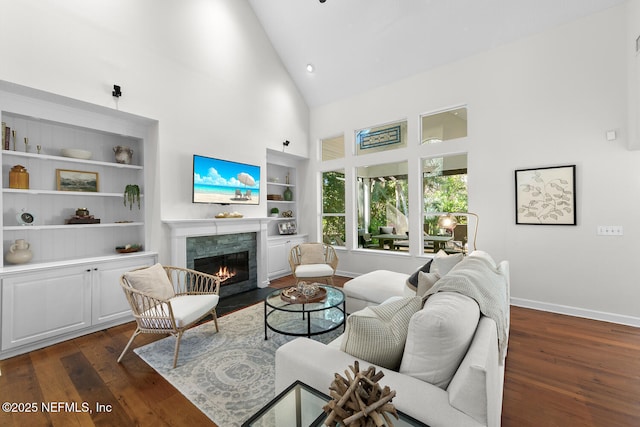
215,319
135,334
175,354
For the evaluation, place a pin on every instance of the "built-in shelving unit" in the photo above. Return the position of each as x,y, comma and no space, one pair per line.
52,208
73,275
282,175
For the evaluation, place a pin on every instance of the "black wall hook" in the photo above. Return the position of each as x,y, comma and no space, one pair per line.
116,91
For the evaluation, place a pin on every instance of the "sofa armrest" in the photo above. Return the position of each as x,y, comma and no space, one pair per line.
476,387
314,364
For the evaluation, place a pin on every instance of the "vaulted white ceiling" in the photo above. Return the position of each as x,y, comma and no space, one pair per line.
356,45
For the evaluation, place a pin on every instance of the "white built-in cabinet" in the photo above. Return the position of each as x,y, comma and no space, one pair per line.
282,175
46,306
71,284
279,248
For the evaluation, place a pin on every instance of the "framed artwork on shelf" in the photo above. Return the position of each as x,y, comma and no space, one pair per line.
71,180
288,227
546,196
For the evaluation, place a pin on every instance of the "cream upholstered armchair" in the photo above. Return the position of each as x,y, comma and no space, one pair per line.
313,262
169,300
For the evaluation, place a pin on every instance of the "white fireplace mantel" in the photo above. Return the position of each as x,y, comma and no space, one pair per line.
183,228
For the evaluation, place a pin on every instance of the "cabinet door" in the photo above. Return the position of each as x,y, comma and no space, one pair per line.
278,258
37,306
108,300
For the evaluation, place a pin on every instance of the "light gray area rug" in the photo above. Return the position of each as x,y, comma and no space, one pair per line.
228,375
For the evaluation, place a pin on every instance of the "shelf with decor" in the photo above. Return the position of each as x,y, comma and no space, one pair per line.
69,157
40,157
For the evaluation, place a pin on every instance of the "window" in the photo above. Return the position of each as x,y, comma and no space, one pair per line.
444,126
333,208
332,148
444,181
381,138
383,210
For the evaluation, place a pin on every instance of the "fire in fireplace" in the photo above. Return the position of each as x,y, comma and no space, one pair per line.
230,268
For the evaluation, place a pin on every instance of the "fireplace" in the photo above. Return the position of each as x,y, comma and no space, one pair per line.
192,238
230,268
235,252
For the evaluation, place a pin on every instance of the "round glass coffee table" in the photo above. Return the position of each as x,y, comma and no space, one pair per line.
290,313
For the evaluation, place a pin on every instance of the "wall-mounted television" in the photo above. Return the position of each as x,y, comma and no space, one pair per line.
225,182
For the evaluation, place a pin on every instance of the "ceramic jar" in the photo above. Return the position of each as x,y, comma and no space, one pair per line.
19,177
19,252
123,154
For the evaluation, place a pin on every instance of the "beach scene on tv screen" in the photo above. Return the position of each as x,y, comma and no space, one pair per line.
221,181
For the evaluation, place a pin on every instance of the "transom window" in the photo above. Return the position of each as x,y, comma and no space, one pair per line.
443,126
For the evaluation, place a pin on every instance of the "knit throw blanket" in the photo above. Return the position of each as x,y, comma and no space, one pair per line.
477,278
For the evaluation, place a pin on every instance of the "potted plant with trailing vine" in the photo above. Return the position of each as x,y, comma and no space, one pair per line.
132,195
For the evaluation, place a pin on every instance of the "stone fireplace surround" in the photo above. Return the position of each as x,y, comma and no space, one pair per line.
181,229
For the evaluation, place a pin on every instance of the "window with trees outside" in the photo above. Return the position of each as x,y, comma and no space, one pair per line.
333,208
383,206
444,181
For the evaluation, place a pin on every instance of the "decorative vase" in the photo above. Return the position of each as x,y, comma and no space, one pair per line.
19,252
123,154
19,177
82,212
288,195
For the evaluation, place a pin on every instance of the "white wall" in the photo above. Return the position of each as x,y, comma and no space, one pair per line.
204,69
543,101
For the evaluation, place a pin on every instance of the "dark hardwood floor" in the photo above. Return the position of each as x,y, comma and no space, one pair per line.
561,371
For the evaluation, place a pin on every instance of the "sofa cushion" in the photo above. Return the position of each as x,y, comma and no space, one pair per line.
438,337
152,281
443,262
412,281
376,286
425,282
378,334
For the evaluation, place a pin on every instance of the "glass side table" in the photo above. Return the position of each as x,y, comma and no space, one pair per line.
301,406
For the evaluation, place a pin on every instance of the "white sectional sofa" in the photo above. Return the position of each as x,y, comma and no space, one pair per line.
452,369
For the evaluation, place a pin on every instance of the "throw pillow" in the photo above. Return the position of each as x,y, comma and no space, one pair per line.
439,336
378,334
311,253
412,281
152,280
443,262
484,255
425,282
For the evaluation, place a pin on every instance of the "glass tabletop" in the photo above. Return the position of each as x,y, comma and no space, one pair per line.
300,406
334,297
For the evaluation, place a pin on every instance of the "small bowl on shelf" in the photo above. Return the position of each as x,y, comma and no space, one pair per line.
76,153
128,249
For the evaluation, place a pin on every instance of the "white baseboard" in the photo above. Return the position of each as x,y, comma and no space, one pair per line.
577,312
346,273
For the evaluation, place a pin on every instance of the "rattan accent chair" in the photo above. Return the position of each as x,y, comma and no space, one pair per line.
169,300
312,262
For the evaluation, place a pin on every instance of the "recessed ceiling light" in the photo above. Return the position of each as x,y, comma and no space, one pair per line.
310,68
